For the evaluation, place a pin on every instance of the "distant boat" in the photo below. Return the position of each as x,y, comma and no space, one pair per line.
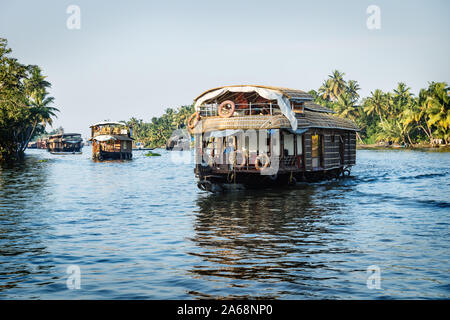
65,143
111,141
141,146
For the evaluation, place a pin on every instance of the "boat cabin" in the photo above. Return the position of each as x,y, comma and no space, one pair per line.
257,135
111,141
65,143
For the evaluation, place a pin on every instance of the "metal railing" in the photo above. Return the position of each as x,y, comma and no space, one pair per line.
211,110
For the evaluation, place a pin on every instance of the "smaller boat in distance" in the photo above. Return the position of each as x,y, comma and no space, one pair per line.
65,143
140,146
111,141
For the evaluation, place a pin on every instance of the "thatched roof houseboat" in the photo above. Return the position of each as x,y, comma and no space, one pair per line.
111,141
65,143
257,135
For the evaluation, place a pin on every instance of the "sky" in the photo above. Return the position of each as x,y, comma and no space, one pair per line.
137,58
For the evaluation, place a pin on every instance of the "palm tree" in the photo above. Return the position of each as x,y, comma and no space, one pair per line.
345,106
39,102
401,98
438,109
376,104
338,83
408,119
391,130
352,89
326,90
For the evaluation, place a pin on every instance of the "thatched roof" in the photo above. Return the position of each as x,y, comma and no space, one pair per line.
309,105
313,119
108,123
306,120
288,93
60,135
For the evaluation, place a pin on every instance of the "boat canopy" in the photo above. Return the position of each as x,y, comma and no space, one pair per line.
224,133
107,137
108,123
281,95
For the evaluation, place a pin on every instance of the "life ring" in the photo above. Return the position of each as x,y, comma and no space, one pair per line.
259,158
226,113
196,117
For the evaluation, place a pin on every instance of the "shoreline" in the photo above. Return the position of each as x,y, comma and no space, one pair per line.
417,147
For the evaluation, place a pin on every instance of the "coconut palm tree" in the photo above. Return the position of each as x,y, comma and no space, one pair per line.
438,109
345,106
352,89
376,104
391,130
326,90
39,103
338,84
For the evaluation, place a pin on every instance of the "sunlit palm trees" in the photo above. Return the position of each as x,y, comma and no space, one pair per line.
39,102
376,104
338,84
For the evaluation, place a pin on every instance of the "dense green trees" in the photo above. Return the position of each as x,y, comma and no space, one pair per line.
396,116
25,106
156,133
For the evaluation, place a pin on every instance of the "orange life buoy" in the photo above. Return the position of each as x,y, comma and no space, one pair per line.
196,117
226,113
259,158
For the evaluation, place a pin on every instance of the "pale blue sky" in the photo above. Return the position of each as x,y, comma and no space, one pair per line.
136,58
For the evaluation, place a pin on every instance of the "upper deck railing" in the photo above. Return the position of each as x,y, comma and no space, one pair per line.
211,110
111,131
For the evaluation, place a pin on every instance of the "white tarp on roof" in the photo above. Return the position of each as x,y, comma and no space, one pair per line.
269,94
104,137
223,133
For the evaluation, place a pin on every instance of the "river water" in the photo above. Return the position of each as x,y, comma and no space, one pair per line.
141,229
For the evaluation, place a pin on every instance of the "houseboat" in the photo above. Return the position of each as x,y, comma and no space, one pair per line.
111,141
65,143
247,136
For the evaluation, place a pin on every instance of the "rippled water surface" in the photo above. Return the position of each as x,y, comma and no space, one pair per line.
141,229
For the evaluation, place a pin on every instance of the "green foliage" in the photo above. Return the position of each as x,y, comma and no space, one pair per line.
396,116
24,104
156,133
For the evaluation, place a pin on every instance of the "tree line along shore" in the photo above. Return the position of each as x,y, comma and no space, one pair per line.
394,118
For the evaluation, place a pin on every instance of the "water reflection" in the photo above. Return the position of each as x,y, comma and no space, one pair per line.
271,237
22,232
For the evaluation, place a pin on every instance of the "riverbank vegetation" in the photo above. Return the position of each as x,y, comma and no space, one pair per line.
393,117
397,116
25,105
155,134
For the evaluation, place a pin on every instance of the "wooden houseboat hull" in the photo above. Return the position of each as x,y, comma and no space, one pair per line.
111,141
300,142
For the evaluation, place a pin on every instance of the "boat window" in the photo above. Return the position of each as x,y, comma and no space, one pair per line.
315,146
262,140
288,144
316,150
299,145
